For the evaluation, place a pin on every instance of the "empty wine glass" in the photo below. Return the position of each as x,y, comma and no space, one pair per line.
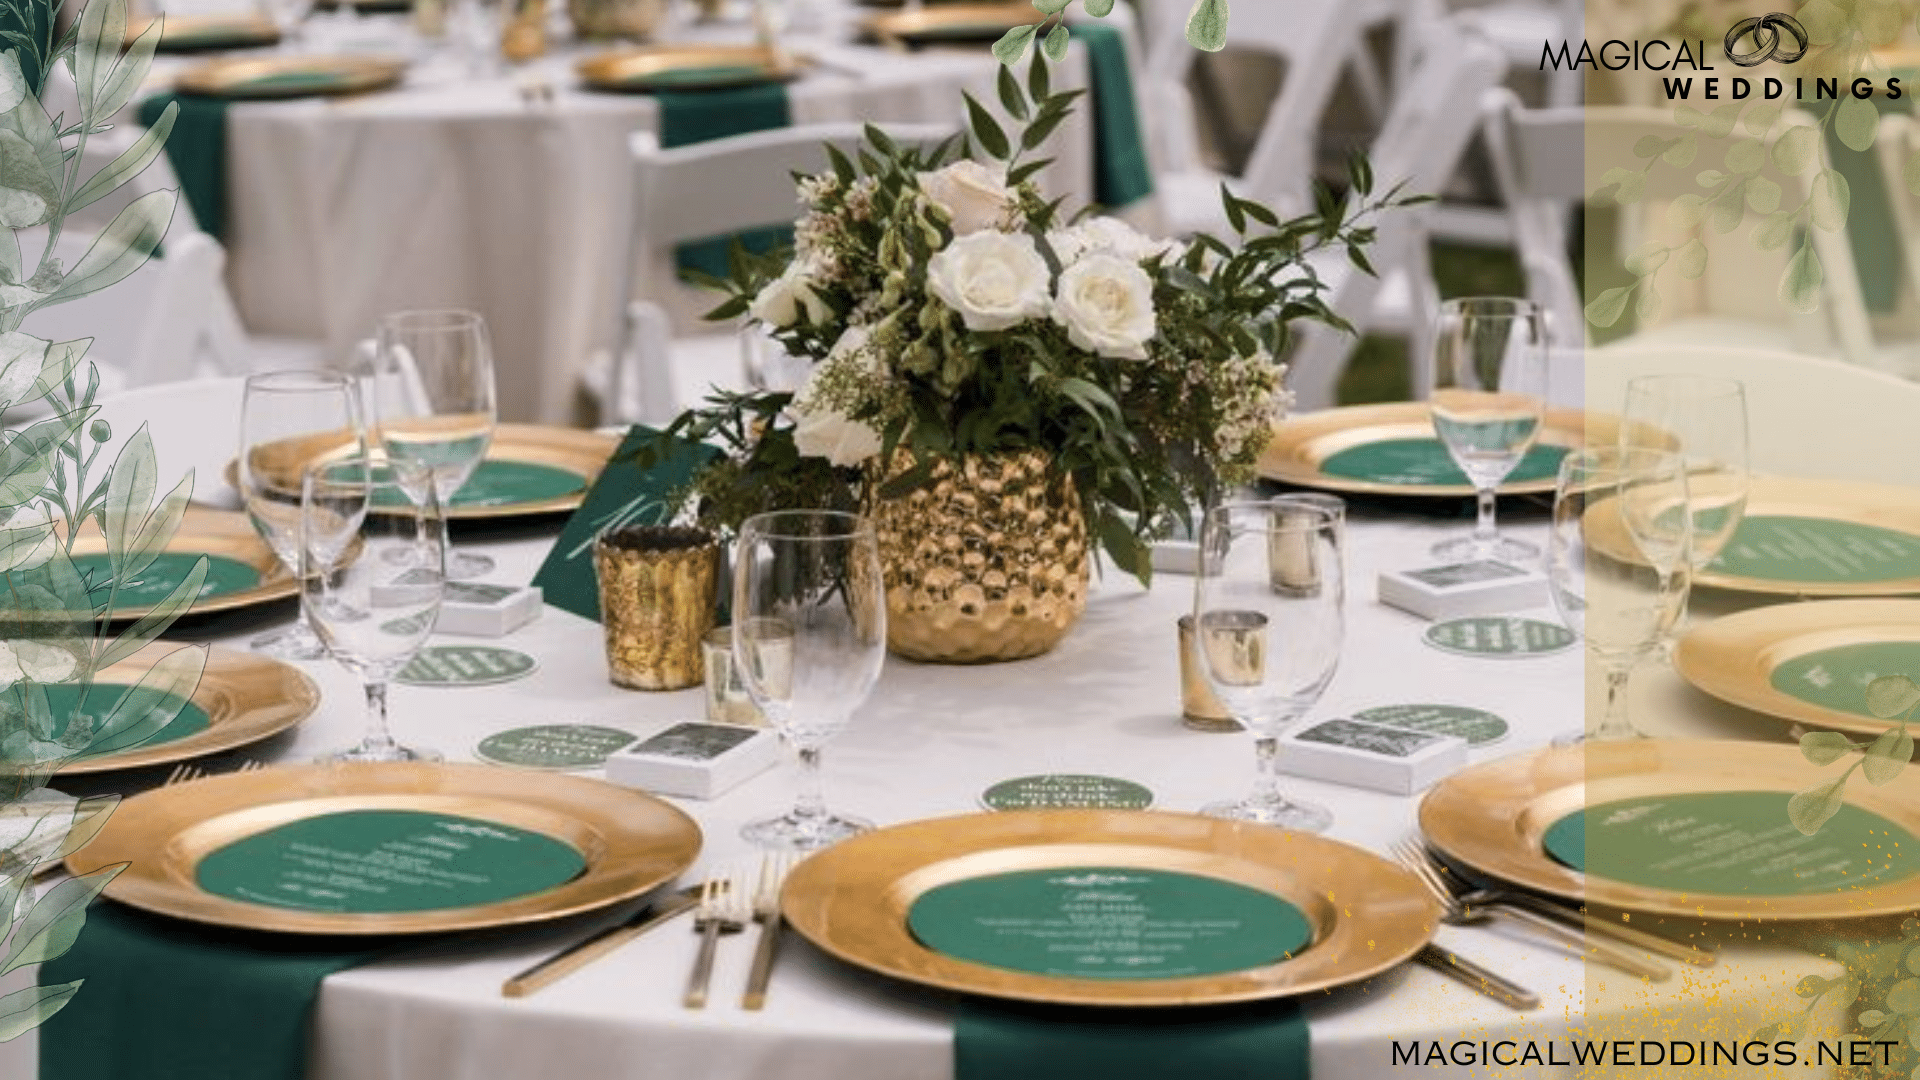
286,419
1488,399
809,636
1269,619
430,377
1619,563
289,17
372,549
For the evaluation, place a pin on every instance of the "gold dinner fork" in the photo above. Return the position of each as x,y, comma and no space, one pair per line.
766,912
724,909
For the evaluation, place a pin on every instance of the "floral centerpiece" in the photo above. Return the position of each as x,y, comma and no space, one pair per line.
995,380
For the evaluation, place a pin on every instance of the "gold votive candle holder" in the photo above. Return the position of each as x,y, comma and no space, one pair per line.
657,590
1200,707
1293,553
728,701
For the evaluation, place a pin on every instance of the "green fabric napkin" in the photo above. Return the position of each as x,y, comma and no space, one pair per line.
1121,175
197,150
996,1041
692,116
623,493
171,1000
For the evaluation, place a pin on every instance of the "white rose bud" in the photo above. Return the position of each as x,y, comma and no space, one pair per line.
833,435
782,300
974,196
994,280
1106,304
1109,235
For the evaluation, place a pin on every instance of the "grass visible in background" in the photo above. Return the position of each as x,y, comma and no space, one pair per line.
1378,369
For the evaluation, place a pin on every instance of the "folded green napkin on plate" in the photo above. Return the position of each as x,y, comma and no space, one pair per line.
1121,174
170,1000
1003,1041
197,150
693,116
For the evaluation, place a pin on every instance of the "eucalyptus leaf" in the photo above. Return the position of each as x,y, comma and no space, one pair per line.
1013,44
1810,809
1759,119
1795,149
1648,259
1903,997
1773,233
24,1010
1887,756
1872,1018
1647,306
1763,195
1745,156
1687,211
1692,260
1728,211
122,247
50,929
1891,695
1055,45
1051,7
1605,310
1855,123
1681,153
1831,199
1207,25
1099,9
1824,747
1801,283
1651,146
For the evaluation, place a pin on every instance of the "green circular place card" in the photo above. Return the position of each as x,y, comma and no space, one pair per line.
1837,678
1498,635
378,861
1731,843
554,746
1109,922
1818,550
1477,726
466,665
1418,462
64,701
165,573
1066,791
507,483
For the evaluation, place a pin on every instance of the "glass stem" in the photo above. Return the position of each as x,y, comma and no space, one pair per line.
1483,529
379,736
1266,781
809,805
1614,723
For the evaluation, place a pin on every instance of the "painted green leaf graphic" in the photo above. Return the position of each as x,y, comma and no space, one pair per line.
1800,284
89,817
1887,755
1692,260
1831,198
1773,233
1207,25
1709,178
1013,44
1687,211
1728,212
1099,9
1913,961
1855,122
1648,305
1719,122
1745,156
1759,119
50,929
1056,43
1824,22
1872,1018
1903,997
1890,695
1606,309
1681,153
24,1010
1051,7
1649,258
1811,808
1651,146
1824,747
1795,150
1763,195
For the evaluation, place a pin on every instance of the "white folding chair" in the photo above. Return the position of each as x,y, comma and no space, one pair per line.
714,188
1425,133
193,424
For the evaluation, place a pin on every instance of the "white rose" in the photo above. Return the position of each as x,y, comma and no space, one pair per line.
781,302
851,341
994,280
1106,304
1105,234
832,434
974,196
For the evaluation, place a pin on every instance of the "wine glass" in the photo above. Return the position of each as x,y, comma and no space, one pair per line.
286,418
1269,618
1488,399
1619,562
430,376
809,635
1704,420
372,549
289,17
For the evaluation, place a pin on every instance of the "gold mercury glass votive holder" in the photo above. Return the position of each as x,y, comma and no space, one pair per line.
657,591
728,701
1200,707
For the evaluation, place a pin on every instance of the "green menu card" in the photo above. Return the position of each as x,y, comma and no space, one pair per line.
505,483
1824,550
623,495
66,700
165,574
1426,461
1837,678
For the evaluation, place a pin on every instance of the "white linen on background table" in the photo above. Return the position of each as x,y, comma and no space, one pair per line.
926,744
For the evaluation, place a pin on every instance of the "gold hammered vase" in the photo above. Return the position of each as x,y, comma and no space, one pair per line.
657,591
986,562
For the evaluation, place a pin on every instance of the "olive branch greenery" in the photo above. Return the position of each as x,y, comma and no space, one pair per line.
59,479
1889,697
1206,28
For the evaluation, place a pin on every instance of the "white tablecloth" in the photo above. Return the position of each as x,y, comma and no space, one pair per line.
926,744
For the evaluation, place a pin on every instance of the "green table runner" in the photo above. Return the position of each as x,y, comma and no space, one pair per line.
696,116
197,150
1121,174
996,1041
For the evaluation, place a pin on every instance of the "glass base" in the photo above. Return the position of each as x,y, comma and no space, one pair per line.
790,832
366,753
1499,549
1581,738
296,642
465,565
1280,813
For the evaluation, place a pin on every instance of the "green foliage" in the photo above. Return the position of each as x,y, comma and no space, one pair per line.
1889,697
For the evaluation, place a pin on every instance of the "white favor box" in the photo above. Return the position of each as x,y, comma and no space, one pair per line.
1454,590
484,610
695,759
1360,754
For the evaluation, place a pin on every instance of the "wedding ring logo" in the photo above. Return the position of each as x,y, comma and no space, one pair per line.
1769,34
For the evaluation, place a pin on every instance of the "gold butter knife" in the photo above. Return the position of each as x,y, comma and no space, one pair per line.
579,955
1495,986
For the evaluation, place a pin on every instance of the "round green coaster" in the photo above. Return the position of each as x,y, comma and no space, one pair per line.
1417,462
1477,726
164,574
506,483
1066,791
1823,550
1837,678
1731,843
1499,636
376,861
466,665
1109,922
554,746
65,699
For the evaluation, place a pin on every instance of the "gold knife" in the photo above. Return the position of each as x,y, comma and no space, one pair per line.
579,955
1447,962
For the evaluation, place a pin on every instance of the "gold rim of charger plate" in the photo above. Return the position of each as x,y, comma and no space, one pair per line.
1734,657
204,531
1491,818
852,899
632,842
240,29
237,77
628,69
1300,443
1884,505
247,697
905,27
573,450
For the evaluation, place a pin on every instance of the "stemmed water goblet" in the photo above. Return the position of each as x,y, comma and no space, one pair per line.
1488,399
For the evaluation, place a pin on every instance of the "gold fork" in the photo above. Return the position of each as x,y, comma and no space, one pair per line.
766,912
724,909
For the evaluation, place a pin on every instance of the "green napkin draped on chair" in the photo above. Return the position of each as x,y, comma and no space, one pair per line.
688,117
997,1041
1121,174
197,150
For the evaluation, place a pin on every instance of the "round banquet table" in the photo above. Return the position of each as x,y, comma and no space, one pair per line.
461,190
926,744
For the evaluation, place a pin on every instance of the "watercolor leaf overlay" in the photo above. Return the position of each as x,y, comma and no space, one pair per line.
1206,28
1889,697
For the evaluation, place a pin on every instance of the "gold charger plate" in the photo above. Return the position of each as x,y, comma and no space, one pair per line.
1491,818
631,841
959,23
291,76
687,67
247,697
852,899
205,531
583,453
182,33
1300,443
1735,656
